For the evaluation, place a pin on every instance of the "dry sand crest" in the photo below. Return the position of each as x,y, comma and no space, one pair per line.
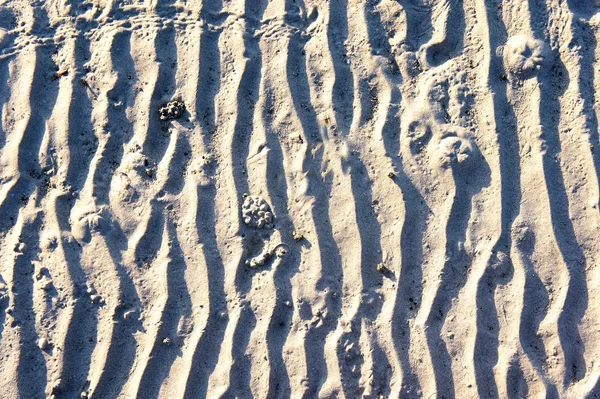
295,198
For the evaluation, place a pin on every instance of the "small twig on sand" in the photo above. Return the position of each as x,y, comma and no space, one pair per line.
87,85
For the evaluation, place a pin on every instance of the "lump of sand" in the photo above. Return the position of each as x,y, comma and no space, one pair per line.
86,220
456,152
419,133
256,212
172,110
524,56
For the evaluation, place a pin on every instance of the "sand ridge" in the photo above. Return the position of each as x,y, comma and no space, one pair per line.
299,198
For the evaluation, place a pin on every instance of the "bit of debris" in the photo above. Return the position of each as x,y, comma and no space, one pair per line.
43,344
297,236
56,387
46,283
86,84
261,259
381,267
60,74
20,247
172,110
129,314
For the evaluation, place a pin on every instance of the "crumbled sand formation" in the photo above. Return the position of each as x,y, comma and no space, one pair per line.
172,110
256,212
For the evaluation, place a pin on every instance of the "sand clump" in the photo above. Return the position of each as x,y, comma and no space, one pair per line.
456,150
267,254
525,56
172,110
256,212
86,220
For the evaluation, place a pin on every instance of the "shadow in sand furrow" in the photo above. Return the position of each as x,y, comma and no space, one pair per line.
449,18
331,264
418,22
369,232
4,95
377,35
488,326
42,98
205,356
167,346
80,136
516,382
149,243
80,338
116,124
81,332
576,301
277,333
76,9
122,347
210,71
31,367
147,247
454,273
330,281
165,8
343,87
537,301
382,371
247,97
4,303
577,298
369,228
410,286
156,138
239,384
122,350
367,96
486,341
594,392
41,25
587,59
178,164
280,323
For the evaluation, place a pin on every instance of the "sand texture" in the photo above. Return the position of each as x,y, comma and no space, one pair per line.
299,199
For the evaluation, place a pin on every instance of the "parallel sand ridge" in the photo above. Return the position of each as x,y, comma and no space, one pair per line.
348,199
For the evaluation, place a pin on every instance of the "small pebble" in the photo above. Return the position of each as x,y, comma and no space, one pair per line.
43,344
46,283
297,236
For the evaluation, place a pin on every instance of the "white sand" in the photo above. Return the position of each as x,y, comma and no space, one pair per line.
371,198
